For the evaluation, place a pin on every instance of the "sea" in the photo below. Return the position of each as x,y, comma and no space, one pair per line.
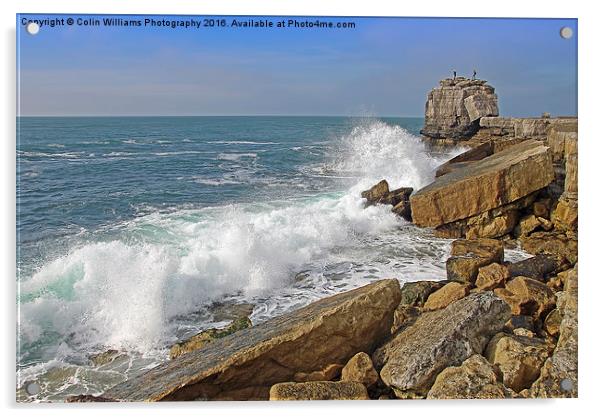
130,230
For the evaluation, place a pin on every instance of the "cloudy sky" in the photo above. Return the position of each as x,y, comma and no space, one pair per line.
383,67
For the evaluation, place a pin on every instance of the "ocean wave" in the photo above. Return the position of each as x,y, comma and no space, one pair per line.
241,142
69,155
112,154
215,181
127,286
181,153
235,156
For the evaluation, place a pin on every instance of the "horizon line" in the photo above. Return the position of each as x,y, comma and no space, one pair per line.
214,115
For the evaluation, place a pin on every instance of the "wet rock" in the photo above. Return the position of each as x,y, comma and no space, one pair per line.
559,373
360,369
527,296
329,331
376,192
207,336
416,293
443,297
519,359
413,358
474,379
318,390
230,311
492,276
397,196
403,209
106,357
87,398
499,179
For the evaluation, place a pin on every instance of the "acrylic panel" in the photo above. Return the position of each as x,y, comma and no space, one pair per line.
295,208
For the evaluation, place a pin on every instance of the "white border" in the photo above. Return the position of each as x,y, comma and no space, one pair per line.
590,154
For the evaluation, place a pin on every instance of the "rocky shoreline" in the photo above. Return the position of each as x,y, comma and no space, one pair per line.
493,329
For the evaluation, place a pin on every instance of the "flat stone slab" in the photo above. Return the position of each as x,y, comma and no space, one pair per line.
499,179
247,363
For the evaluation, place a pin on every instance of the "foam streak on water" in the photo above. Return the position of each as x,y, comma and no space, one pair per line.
138,285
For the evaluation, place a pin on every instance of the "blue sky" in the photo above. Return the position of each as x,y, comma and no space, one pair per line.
383,67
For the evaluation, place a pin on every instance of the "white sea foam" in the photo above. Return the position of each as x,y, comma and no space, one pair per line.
128,292
242,142
235,156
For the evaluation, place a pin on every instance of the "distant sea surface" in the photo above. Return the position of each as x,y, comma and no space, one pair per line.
130,228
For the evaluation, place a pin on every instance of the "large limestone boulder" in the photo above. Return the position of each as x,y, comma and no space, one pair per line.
454,108
519,359
318,390
414,357
474,379
559,373
329,331
499,179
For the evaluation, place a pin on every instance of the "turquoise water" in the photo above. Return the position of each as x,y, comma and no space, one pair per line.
131,228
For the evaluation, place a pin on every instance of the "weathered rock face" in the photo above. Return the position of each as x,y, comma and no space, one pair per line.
492,276
527,296
453,109
415,356
508,131
499,179
562,246
318,390
326,332
559,373
360,369
474,379
537,267
468,255
518,358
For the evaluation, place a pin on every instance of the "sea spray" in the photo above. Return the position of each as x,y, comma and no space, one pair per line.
136,284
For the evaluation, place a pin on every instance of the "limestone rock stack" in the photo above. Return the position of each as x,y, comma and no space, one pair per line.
453,109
